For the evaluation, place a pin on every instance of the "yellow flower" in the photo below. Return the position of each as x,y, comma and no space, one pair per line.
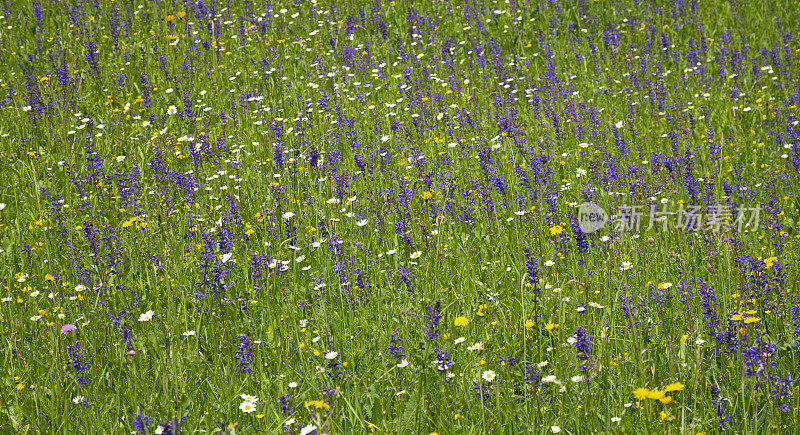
736,317
551,326
556,230
663,415
461,321
641,393
655,394
751,320
20,386
528,324
677,386
665,400
49,277
426,195
319,404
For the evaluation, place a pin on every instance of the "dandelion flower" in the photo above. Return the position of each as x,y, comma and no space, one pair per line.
641,393
318,404
677,386
461,321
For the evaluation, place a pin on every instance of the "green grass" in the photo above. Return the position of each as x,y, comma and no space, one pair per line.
143,249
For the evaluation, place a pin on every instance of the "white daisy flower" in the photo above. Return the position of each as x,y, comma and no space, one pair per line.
249,398
247,407
331,355
146,316
308,429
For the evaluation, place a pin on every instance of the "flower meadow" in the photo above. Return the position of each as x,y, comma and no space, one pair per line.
316,217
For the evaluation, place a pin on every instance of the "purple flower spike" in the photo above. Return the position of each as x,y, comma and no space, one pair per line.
68,327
